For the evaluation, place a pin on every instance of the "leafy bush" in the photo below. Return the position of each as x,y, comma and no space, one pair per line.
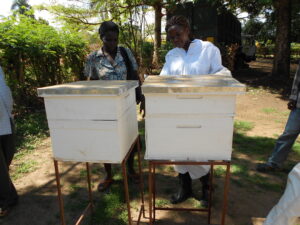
34,54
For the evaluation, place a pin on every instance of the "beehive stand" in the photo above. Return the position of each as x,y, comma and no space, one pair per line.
152,188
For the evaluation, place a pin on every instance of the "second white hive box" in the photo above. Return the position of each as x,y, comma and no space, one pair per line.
91,121
190,118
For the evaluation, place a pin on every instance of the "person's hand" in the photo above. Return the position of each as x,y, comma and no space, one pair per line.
291,105
143,107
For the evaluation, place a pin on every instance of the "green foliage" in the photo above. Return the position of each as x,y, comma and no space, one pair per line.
21,6
263,31
34,54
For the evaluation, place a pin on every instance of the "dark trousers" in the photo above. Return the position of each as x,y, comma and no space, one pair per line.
8,193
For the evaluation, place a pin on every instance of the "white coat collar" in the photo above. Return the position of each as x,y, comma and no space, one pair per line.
194,48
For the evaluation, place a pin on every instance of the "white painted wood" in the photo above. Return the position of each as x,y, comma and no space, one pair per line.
93,140
190,118
191,138
189,104
87,107
91,121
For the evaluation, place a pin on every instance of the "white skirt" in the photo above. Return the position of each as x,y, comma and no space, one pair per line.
195,171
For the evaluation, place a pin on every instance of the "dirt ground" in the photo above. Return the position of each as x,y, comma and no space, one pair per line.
38,197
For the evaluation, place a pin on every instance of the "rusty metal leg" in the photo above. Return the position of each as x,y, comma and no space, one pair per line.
210,192
226,187
154,192
89,184
126,190
60,199
141,176
150,192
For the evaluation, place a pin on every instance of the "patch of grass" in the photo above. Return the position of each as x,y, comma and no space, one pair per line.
83,173
278,121
194,203
161,202
252,146
269,110
239,169
74,187
21,154
76,204
169,169
235,169
23,168
219,171
118,176
111,209
96,170
264,183
30,128
243,126
296,148
74,190
285,113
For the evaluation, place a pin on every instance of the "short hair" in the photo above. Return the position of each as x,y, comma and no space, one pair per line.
107,26
178,20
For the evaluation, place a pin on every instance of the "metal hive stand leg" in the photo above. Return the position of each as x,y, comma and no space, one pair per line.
141,185
60,198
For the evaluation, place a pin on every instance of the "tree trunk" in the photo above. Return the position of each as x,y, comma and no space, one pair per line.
157,33
281,63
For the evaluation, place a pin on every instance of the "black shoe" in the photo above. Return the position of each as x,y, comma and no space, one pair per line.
181,196
185,189
204,199
266,167
5,209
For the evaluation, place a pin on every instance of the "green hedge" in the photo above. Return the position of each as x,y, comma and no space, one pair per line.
34,54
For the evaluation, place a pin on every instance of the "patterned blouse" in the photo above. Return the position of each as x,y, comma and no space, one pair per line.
98,67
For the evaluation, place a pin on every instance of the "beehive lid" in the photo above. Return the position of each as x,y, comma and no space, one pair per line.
192,84
97,87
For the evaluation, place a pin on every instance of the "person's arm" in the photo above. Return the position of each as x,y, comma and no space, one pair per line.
166,68
295,90
132,59
139,95
5,93
216,63
90,71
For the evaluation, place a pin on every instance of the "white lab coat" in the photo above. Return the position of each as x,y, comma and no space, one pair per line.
287,210
202,58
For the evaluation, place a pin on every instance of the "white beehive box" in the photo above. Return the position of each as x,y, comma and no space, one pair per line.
91,121
190,118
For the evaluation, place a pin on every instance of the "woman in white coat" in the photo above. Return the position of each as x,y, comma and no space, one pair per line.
190,57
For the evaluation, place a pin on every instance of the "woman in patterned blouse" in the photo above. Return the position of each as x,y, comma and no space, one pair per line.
113,63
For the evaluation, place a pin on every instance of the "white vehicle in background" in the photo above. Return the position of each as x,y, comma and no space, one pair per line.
248,47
